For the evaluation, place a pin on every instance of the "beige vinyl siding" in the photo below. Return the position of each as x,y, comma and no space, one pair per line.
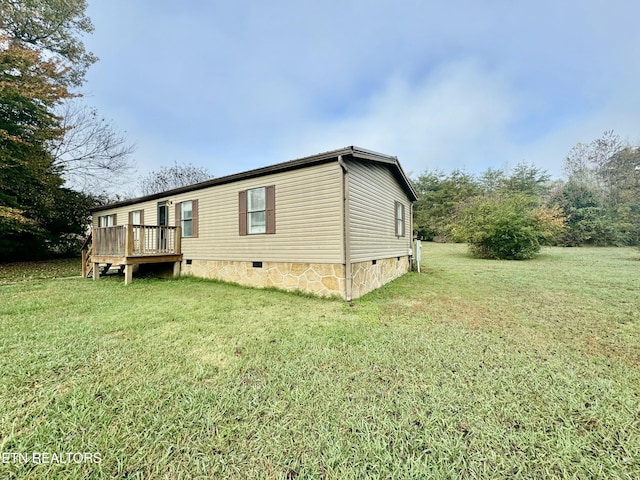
308,211
373,193
150,209
308,219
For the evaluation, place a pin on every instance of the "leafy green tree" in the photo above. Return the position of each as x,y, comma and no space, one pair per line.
439,195
66,228
52,27
609,170
90,153
492,180
14,225
622,172
29,90
523,178
529,180
510,227
587,220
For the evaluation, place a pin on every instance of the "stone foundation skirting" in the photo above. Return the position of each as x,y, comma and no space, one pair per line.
320,279
367,276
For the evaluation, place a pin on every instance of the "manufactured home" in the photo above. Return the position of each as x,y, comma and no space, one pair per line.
337,223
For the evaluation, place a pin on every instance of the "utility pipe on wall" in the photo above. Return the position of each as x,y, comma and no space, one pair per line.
347,229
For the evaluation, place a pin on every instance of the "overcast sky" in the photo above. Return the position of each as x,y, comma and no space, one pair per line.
236,85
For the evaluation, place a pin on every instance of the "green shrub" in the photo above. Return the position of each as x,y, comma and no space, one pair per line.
508,227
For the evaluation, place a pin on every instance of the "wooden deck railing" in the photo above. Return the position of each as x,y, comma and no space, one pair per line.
137,240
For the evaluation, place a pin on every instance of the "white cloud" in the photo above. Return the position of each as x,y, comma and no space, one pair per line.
459,114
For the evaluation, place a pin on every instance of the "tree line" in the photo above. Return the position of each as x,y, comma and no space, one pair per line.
598,203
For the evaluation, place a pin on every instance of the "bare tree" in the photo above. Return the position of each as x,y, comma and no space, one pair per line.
91,153
175,176
589,157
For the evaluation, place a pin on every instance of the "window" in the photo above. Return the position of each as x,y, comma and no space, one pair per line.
400,221
257,211
187,217
136,217
107,220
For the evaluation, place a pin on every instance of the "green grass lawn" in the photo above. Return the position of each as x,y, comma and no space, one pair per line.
471,369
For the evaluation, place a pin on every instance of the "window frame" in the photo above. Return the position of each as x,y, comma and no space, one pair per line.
186,221
260,210
109,220
181,221
400,219
247,211
132,214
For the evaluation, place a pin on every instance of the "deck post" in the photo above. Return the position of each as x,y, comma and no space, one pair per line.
128,274
96,271
128,241
84,263
177,244
176,269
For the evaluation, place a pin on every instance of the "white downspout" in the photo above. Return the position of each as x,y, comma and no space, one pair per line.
347,229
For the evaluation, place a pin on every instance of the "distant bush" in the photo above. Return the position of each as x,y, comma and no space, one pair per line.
508,227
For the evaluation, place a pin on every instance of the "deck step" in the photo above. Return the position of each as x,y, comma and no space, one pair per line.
103,269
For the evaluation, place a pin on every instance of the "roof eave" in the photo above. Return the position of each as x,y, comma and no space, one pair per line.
279,167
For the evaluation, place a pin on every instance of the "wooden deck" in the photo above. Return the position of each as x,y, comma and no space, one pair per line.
129,245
